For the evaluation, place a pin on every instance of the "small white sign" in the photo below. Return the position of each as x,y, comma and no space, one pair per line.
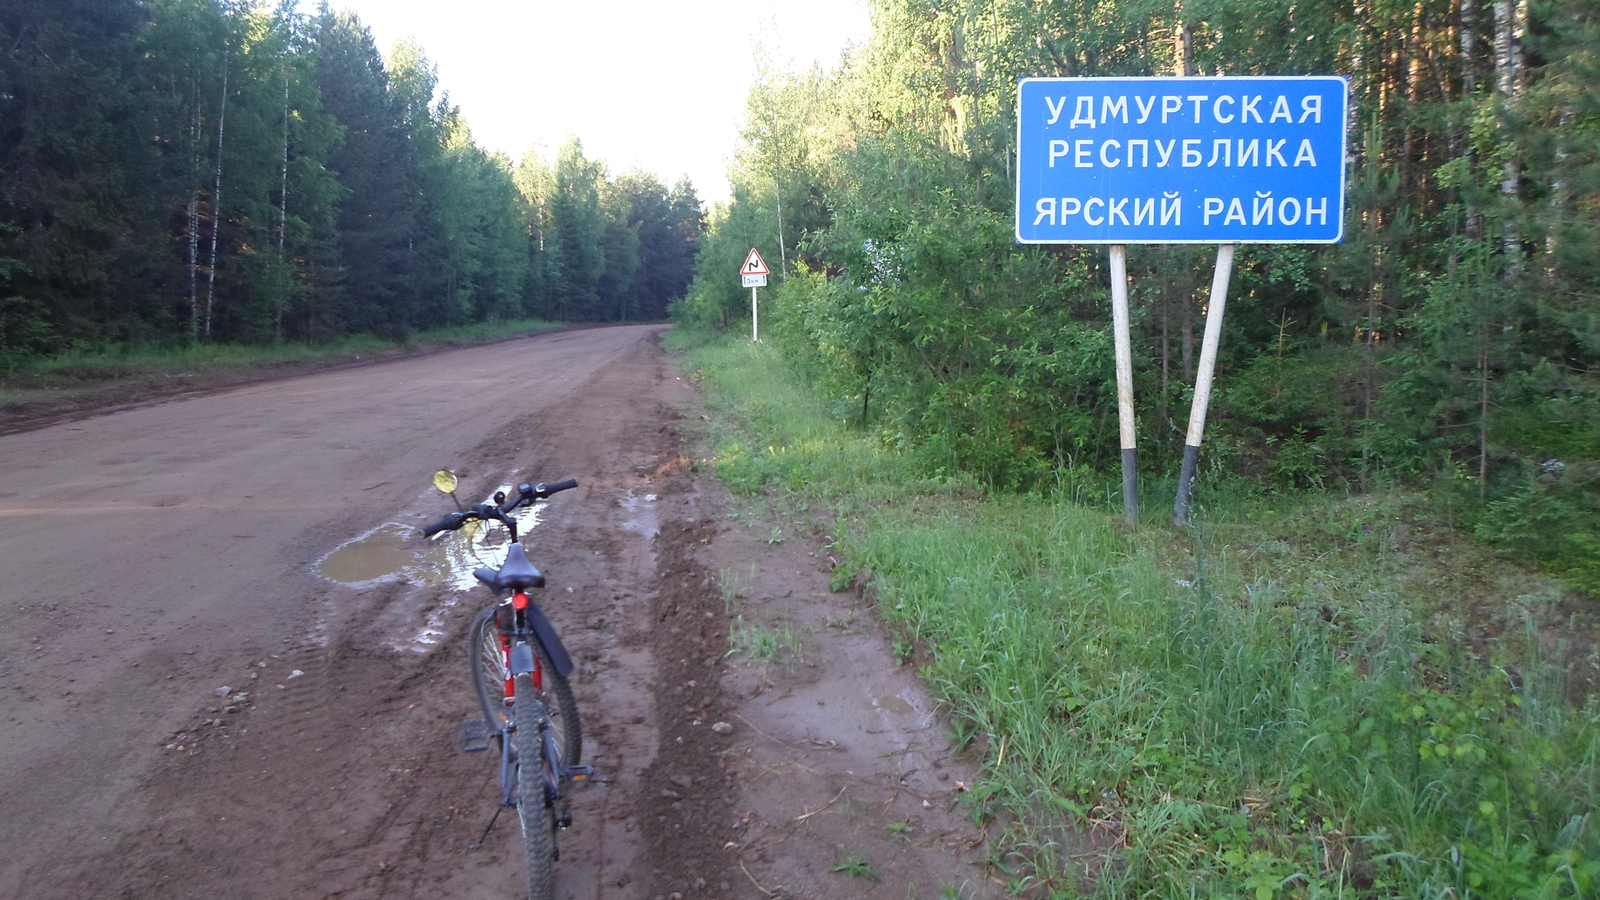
754,280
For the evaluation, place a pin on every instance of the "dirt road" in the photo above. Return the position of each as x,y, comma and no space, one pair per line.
230,669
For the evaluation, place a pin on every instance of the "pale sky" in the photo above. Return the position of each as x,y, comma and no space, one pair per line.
654,85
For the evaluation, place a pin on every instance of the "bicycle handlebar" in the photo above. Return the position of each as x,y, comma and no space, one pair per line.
449,523
525,495
545,490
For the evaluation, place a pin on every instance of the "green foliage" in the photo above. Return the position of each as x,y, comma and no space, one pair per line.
79,233
1450,338
24,330
668,224
715,300
604,249
1556,526
856,867
769,644
1282,418
1279,704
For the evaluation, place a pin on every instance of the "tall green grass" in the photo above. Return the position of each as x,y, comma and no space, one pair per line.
1263,707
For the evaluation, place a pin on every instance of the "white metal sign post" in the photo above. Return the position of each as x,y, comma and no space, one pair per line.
753,274
1124,347
1202,382
1220,161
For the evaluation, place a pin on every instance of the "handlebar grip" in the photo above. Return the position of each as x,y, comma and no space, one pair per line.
527,493
449,523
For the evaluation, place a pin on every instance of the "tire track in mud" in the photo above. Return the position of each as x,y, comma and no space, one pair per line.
688,789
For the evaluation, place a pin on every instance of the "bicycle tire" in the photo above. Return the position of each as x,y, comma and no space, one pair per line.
537,814
489,679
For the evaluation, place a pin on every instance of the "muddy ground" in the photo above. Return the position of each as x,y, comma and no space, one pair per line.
230,668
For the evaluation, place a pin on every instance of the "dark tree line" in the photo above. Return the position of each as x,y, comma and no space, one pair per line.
234,171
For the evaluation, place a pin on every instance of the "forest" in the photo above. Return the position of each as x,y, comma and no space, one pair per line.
183,172
1449,342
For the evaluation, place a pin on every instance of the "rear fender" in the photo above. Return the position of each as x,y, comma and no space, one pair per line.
546,633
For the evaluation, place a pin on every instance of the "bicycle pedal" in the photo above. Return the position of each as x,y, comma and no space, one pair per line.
473,736
579,773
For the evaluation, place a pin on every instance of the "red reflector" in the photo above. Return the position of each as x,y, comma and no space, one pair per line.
519,600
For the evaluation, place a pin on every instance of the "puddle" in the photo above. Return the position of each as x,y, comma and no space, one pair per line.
643,515
893,704
387,553
400,553
394,552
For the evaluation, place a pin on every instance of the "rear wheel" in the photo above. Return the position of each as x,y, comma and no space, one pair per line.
533,806
489,679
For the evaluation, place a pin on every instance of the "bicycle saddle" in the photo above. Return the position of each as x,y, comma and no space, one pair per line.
516,575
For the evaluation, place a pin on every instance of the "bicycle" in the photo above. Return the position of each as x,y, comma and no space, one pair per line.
519,672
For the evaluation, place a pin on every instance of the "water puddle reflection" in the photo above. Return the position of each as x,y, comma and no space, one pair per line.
399,553
893,704
387,553
644,517
394,552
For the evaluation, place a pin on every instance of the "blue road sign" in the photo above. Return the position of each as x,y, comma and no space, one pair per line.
1181,160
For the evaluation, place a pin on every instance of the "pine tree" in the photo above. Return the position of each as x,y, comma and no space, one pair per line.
579,226
78,222
377,166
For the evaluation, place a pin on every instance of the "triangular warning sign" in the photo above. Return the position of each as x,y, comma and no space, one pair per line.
754,264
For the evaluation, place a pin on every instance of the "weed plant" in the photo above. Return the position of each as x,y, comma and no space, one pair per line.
1265,705
775,644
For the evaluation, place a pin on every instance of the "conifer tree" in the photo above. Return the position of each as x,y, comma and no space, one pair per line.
377,166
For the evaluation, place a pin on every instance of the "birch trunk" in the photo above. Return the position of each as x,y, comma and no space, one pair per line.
283,209
1413,52
777,192
1506,78
194,216
1182,44
1468,41
283,176
216,200
1505,63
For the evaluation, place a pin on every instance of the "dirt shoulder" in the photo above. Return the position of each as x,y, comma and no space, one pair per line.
799,757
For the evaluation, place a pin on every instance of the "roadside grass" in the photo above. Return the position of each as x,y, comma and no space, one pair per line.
118,361
1290,700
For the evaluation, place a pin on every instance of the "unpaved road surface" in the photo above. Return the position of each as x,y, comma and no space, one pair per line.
191,710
